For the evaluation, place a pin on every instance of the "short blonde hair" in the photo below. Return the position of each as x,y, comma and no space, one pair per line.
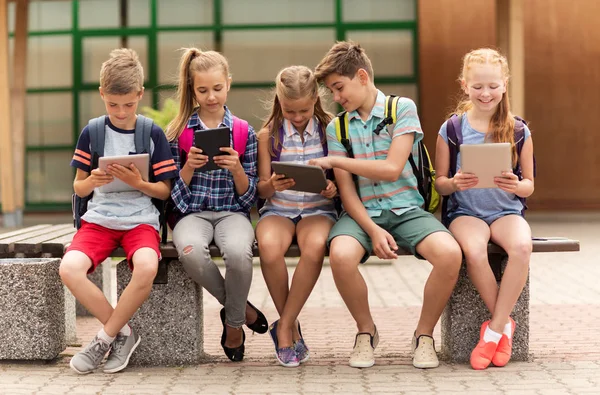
344,58
122,73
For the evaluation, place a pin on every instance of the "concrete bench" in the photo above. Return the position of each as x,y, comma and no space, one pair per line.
171,319
33,308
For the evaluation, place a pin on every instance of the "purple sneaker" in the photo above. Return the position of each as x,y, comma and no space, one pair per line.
301,351
301,348
286,356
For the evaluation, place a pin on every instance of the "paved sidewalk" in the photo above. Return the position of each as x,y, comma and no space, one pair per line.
564,345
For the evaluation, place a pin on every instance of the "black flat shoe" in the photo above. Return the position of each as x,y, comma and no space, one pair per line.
235,354
260,325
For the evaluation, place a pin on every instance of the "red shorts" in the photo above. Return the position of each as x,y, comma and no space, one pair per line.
98,242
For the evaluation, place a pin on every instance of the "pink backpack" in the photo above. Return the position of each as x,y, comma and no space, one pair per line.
240,138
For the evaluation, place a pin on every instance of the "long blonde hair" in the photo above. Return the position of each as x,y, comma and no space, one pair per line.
502,123
192,61
293,83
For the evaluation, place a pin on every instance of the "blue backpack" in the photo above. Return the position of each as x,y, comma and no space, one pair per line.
142,138
454,131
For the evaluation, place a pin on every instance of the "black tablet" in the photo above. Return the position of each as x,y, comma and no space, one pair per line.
308,178
209,141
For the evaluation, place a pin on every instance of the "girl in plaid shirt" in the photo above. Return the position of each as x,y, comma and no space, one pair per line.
215,205
296,130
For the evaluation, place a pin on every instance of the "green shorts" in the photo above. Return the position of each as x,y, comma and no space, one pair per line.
408,229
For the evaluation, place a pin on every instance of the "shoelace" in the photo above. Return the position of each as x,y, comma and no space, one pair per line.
96,349
119,343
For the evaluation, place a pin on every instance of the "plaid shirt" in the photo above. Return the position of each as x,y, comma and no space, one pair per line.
215,190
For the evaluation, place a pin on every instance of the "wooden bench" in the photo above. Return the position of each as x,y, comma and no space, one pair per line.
182,326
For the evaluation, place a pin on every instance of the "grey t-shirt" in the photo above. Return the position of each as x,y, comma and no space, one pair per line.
125,210
481,203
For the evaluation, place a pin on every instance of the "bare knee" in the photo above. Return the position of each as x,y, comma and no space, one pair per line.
145,270
447,258
520,252
313,249
74,266
342,261
271,250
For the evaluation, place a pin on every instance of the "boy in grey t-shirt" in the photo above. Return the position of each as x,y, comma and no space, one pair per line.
127,219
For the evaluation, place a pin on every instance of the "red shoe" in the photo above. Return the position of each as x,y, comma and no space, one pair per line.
504,350
482,354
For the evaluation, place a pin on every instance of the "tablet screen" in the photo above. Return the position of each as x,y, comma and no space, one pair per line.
141,161
210,141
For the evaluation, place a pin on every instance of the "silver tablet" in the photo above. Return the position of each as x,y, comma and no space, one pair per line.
308,178
141,161
486,161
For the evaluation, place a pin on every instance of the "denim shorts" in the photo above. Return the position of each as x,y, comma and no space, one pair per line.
296,219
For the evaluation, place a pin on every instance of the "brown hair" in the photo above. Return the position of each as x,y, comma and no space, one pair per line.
502,123
192,61
122,73
344,58
293,83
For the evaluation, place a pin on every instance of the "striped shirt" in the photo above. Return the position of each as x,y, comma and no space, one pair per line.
398,196
124,210
215,190
290,203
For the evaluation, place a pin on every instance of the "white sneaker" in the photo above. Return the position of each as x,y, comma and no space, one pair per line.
424,356
364,346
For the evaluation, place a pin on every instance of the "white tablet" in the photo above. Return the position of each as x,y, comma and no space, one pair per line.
486,161
308,178
141,161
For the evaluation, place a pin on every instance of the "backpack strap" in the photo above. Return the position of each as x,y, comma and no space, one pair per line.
143,133
341,131
97,129
240,135
454,133
277,148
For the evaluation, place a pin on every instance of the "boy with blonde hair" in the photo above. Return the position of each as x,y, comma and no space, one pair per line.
128,219
383,208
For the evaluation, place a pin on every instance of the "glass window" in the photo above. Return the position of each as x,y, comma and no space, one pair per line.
49,61
169,55
49,119
391,52
185,12
378,10
138,13
259,55
50,15
281,11
48,178
248,104
11,11
404,90
96,50
99,14
92,106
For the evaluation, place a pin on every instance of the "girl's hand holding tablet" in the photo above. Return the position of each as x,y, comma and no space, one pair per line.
195,159
463,181
508,182
280,183
330,191
230,160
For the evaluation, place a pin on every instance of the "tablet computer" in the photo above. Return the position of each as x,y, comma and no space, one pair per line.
486,161
209,141
141,161
308,178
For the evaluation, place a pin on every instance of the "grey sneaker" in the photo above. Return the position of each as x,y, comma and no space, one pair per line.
87,360
121,350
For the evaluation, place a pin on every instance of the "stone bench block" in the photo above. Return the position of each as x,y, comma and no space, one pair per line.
32,311
170,322
465,312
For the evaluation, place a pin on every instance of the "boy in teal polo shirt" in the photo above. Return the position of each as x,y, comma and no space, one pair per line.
385,213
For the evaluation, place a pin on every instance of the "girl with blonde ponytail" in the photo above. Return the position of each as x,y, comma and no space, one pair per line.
476,216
